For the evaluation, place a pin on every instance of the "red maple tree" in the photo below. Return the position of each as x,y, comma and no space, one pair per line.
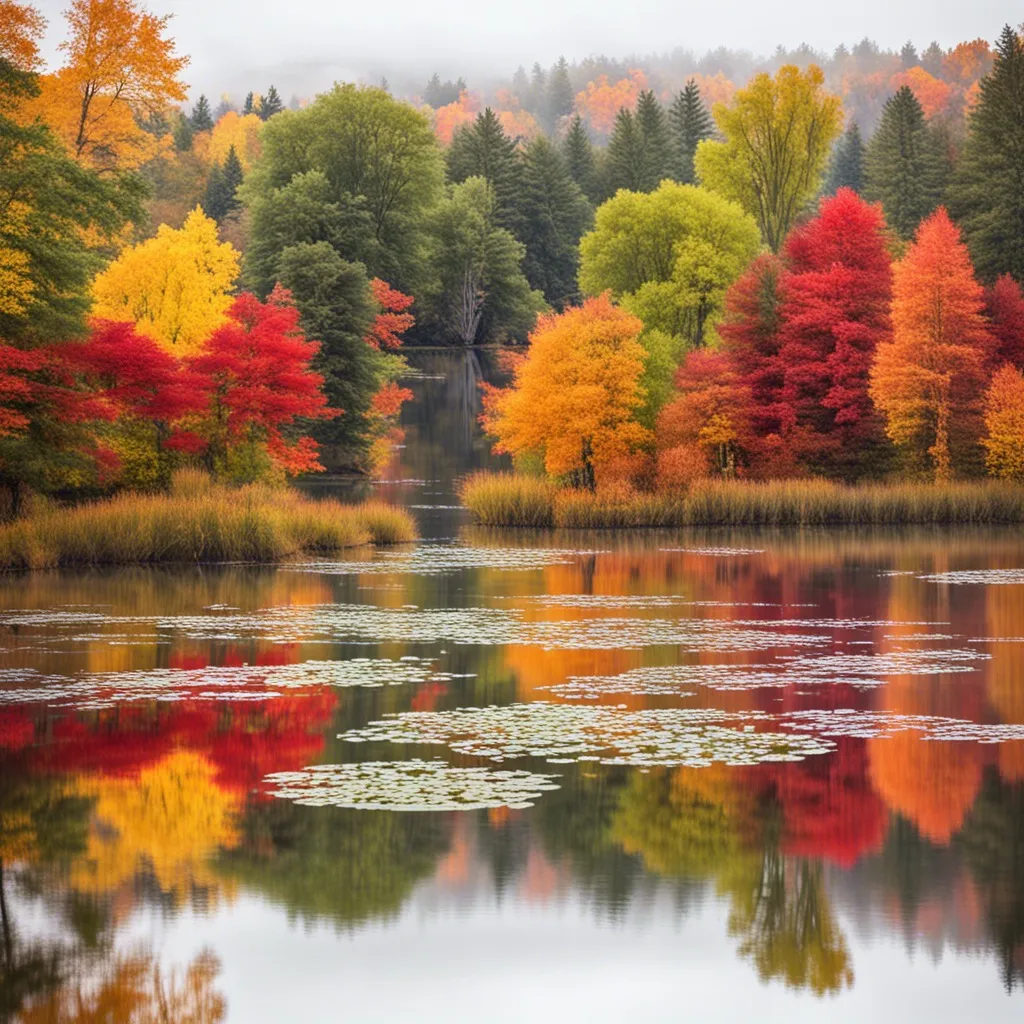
1004,307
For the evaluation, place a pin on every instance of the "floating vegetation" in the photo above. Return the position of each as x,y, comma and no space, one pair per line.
413,785
869,724
1000,577
860,670
563,733
437,559
106,689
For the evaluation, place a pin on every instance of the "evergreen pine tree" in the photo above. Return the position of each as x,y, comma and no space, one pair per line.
201,119
521,85
224,107
560,96
578,152
932,58
904,168
553,214
987,194
538,90
847,167
270,105
215,201
655,140
908,55
233,175
624,159
182,134
483,150
249,107
432,93
691,123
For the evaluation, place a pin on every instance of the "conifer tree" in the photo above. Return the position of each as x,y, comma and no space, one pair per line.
215,199
182,133
560,96
201,119
578,151
903,166
655,140
249,107
625,154
553,215
483,150
270,104
691,123
847,167
932,58
538,89
987,195
908,55
233,175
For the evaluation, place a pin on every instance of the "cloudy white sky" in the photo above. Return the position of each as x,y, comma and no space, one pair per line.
303,45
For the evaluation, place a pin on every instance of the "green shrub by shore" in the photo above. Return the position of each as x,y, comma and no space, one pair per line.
510,500
198,521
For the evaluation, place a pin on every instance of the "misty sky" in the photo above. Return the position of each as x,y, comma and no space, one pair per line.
304,45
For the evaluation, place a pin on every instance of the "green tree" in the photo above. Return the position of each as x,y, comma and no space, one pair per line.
201,118
560,97
669,256
333,297
908,55
904,169
987,195
222,187
624,157
306,209
483,150
481,293
778,134
553,214
578,151
249,107
847,167
270,104
375,153
53,210
932,58
655,140
182,131
691,124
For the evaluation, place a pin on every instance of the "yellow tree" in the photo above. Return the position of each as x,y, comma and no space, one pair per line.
575,394
240,131
1004,424
174,287
778,134
120,67
928,381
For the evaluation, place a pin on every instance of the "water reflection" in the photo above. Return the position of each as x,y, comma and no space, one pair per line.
159,853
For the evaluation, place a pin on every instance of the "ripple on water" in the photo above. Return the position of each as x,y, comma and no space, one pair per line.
413,785
985,576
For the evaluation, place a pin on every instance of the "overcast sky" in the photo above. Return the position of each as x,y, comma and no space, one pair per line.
304,45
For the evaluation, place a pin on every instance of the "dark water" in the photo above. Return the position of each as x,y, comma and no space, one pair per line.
690,776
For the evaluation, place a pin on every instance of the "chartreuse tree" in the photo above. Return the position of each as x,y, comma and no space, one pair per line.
575,395
778,134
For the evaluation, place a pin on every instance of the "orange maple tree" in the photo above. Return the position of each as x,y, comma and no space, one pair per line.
574,397
932,93
120,67
1004,424
601,100
929,380
20,28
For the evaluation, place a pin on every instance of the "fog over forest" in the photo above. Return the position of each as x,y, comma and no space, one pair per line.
303,47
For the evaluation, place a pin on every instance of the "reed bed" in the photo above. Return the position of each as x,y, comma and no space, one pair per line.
197,522
509,500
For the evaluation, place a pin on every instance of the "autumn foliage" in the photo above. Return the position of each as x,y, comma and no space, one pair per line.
574,397
929,380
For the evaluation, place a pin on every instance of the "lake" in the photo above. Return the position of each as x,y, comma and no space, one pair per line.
705,775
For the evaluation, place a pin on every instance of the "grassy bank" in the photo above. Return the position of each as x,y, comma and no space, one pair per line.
197,522
501,499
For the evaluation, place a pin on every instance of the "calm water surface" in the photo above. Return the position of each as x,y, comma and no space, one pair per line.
713,776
